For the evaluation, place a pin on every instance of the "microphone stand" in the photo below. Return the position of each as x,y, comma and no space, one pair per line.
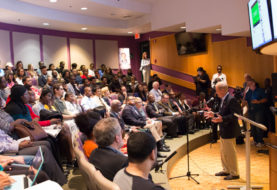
189,174
159,166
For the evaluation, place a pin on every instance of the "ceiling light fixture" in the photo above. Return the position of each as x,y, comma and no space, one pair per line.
183,27
84,8
52,1
46,24
130,32
84,28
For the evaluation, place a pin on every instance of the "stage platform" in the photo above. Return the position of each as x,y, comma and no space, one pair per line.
205,161
196,140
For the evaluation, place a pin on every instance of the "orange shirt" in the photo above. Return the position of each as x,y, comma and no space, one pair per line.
88,147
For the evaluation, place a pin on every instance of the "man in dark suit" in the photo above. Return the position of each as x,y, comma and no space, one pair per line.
178,118
154,110
107,158
229,130
115,109
42,79
131,115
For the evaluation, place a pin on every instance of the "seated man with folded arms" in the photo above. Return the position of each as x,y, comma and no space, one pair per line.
142,155
107,157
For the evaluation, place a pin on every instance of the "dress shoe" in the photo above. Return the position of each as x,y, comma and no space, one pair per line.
191,132
159,155
231,177
214,141
222,174
163,149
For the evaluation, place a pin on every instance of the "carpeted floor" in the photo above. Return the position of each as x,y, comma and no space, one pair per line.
206,162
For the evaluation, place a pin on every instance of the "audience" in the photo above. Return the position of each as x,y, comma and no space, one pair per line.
104,106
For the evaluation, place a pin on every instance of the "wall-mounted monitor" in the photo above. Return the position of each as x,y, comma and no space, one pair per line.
259,23
274,17
190,43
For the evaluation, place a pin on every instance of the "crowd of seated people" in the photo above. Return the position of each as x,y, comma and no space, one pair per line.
105,106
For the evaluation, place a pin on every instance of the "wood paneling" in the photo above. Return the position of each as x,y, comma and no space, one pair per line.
234,55
174,80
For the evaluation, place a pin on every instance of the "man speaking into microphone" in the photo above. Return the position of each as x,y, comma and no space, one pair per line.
229,130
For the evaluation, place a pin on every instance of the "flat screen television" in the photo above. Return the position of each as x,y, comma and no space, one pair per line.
260,26
274,17
190,43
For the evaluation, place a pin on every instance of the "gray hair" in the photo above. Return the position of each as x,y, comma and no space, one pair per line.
105,131
222,86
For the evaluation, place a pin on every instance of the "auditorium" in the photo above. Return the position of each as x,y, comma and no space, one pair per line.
138,94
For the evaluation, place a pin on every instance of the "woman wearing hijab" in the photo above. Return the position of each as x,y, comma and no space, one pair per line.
16,106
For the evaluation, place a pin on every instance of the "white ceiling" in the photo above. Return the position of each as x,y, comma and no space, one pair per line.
118,17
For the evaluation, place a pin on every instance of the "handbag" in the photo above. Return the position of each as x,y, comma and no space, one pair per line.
31,129
47,115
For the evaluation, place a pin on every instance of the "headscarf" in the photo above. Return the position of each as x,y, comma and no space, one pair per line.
16,107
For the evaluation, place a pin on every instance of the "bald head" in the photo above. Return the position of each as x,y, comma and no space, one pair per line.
116,106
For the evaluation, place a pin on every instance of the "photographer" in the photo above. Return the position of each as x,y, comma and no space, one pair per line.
202,81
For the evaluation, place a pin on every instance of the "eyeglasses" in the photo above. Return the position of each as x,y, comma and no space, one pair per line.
61,89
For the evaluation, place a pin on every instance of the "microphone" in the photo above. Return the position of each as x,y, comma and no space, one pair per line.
210,100
158,166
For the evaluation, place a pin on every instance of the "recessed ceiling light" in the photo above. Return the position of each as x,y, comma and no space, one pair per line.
130,32
183,27
84,28
52,1
218,29
46,24
84,8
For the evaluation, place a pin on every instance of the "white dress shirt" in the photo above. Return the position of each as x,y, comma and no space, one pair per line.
100,102
87,103
221,76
